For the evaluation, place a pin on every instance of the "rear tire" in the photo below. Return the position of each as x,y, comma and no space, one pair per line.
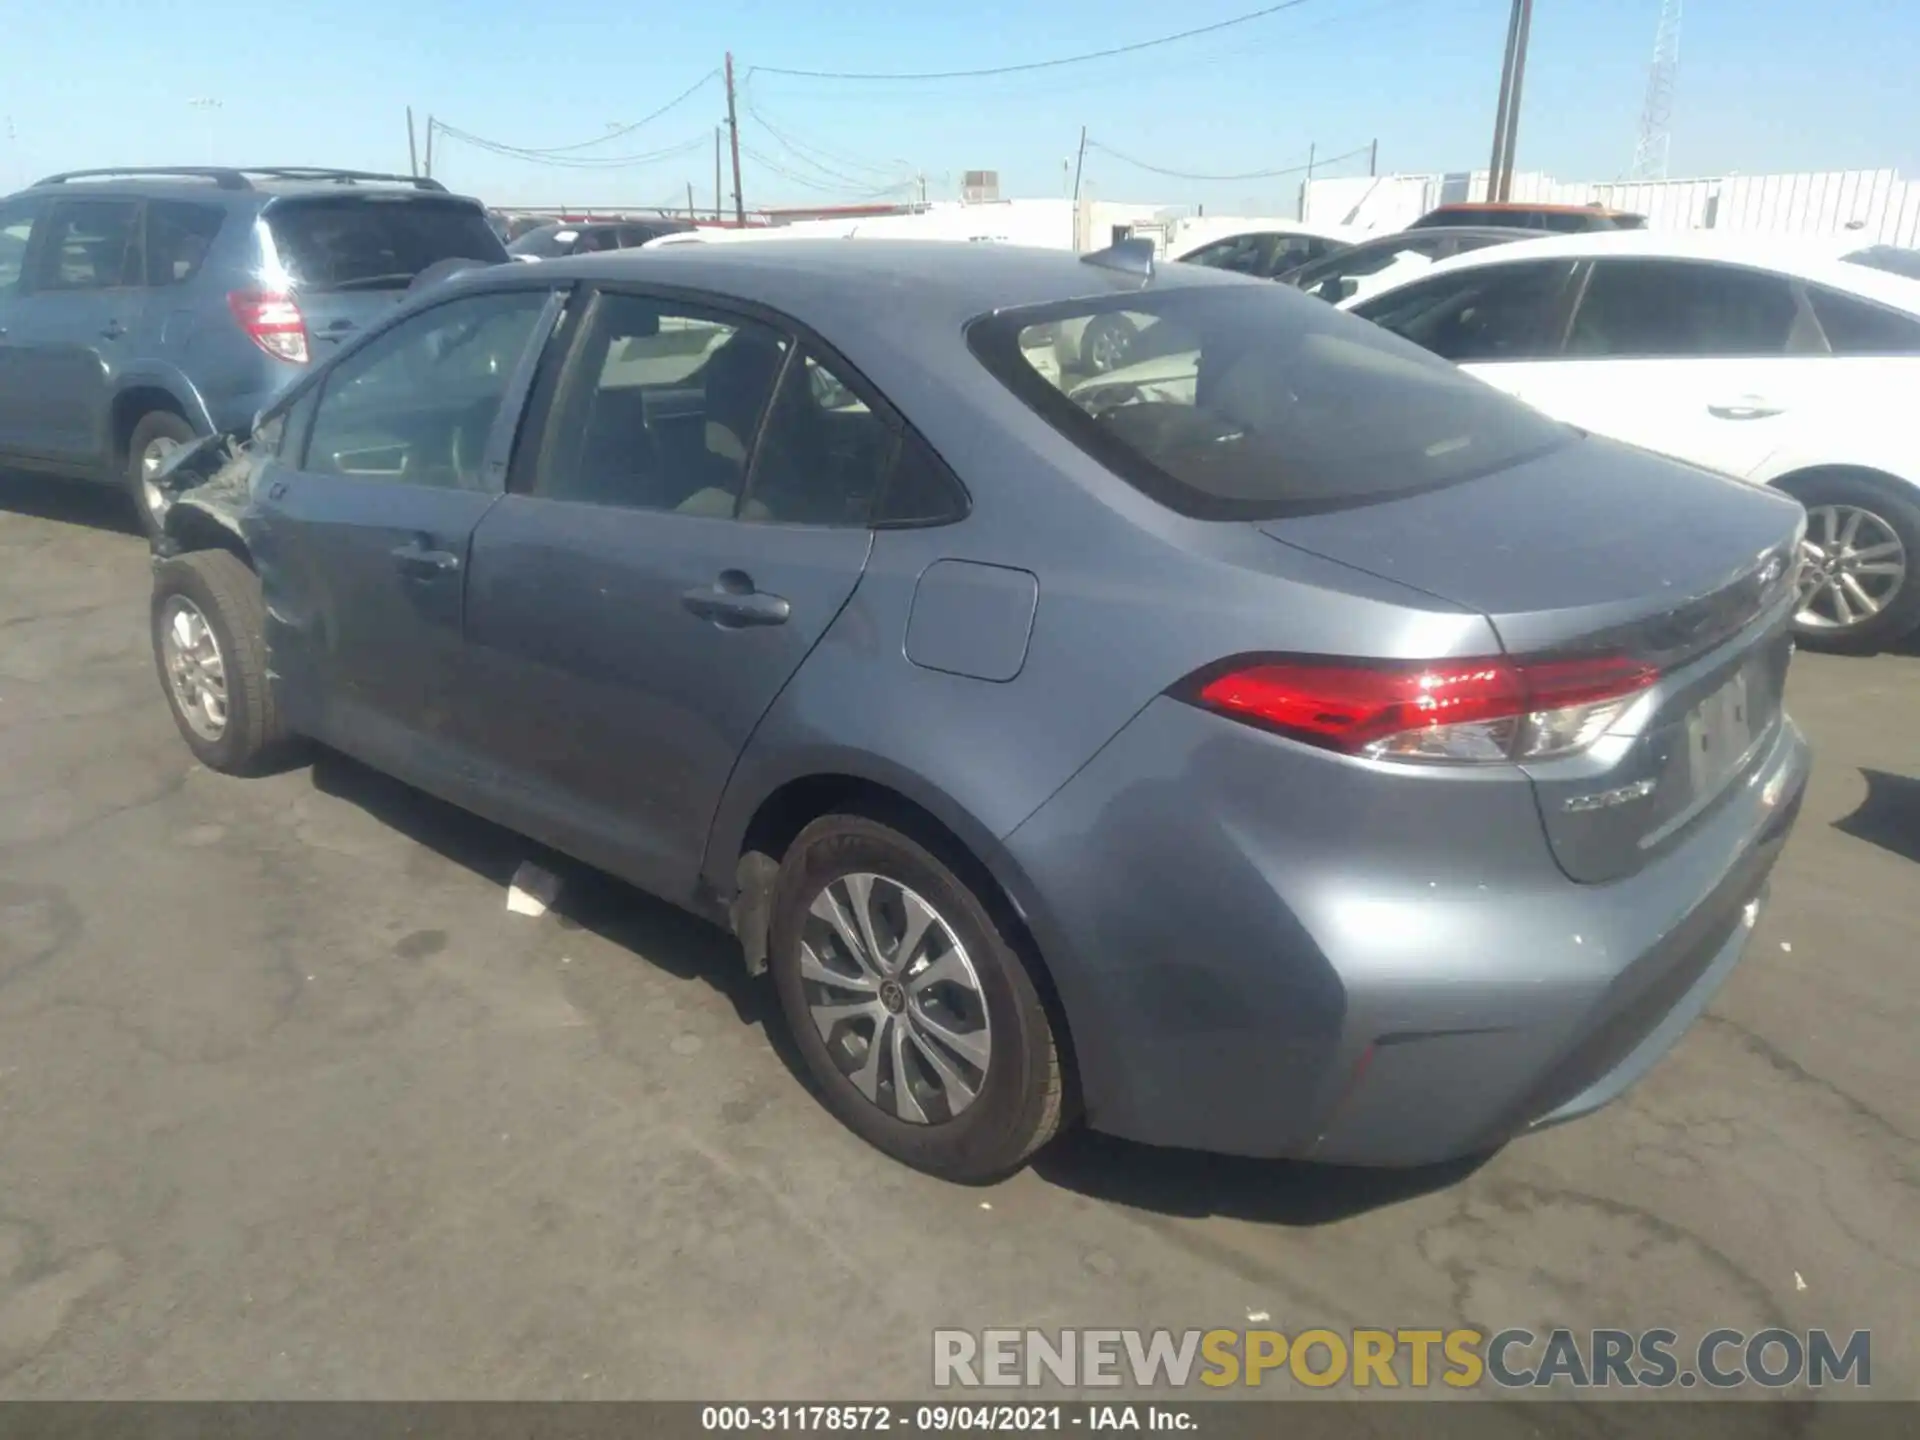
922,1100
208,621
157,433
1107,343
1885,532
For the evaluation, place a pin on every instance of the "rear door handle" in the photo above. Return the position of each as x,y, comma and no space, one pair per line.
733,604
1747,407
415,559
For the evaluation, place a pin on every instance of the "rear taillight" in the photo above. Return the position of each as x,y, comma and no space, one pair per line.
273,322
1459,711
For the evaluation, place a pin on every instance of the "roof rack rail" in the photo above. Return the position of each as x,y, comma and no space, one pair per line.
340,177
1131,256
224,176
235,177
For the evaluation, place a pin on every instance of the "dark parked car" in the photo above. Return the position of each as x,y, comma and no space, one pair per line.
563,238
1343,761
142,308
1387,259
1560,219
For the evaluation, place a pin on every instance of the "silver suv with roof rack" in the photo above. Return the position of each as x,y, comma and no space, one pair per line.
141,308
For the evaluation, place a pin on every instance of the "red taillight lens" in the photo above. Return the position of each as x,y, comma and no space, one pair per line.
1452,710
273,322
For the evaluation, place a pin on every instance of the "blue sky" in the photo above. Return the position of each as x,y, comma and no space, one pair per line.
1763,86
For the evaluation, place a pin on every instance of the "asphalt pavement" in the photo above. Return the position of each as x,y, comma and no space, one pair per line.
291,1106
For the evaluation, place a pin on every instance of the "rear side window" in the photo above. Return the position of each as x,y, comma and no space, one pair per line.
179,234
16,228
1858,327
1479,316
1257,402
91,245
1643,309
921,490
367,243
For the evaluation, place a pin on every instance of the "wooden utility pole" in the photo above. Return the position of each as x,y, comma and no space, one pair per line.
413,155
733,134
1373,158
716,173
429,147
1508,108
1513,101
1312,151
1079,164
689,200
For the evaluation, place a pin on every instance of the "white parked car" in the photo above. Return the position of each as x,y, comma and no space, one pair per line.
1779,360
1267,251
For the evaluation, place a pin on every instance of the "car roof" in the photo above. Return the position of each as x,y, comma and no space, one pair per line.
206,192
1493,206
1807,257
1511,233
896,286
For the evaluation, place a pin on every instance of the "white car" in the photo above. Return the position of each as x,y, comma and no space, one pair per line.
1266,252
1779,360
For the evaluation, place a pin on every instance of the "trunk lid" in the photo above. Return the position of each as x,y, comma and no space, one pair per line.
1600,547
349,258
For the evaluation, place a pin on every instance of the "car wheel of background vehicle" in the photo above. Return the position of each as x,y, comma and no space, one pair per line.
1105,344
209,648
1860,588
920,1024
159,434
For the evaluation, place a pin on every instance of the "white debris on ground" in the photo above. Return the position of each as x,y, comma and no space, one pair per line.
1258,1317
1784,945
1798,1282
532,890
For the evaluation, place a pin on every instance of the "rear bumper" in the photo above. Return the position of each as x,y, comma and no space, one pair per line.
1265,951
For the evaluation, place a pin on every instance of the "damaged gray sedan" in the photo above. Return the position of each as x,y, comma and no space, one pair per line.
1328,758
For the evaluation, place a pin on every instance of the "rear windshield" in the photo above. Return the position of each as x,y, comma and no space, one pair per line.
549,242
366,243
1891,258
1247,402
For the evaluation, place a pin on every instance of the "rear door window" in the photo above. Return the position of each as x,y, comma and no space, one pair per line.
1479,316
179,234
91,245
1859,327
1649,309
375,243
16,229
1261,402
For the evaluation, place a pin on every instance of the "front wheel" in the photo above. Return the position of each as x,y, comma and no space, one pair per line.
919,1023
209,648
1859,586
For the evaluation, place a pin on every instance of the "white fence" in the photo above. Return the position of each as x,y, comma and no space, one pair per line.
1877,204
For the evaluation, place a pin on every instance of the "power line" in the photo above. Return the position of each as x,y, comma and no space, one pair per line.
573,162
809,152
767,162
527,152
1311,164
1055,63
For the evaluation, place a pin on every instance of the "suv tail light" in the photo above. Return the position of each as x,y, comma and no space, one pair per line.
273,322
1458,711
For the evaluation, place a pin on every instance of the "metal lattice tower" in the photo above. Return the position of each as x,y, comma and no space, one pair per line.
1656,113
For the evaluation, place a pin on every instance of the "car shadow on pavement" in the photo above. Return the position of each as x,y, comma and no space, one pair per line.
1890,815
1192,1185
72,502
650,929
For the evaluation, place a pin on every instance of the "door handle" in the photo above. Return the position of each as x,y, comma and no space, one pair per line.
416,560
734,604
113,330
1747,407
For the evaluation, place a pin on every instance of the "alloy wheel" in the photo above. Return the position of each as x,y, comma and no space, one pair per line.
896,998
196,670
1108,346
1853,567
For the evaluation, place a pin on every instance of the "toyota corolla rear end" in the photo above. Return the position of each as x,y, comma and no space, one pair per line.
1453,829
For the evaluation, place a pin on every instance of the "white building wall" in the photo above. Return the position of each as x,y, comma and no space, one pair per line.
1878,204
